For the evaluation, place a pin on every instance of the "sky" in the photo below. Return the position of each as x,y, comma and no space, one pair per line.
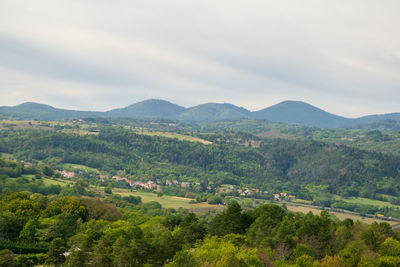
342,56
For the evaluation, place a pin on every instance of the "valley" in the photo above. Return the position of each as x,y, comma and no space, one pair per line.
161,171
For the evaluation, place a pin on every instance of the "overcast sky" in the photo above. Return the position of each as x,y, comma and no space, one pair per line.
342,56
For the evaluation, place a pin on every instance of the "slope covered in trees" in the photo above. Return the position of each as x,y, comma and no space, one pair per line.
37,229
272,164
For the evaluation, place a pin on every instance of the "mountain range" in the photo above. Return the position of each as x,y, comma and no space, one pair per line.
291,112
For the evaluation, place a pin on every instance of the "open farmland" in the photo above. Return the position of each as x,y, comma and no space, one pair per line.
178,136
169,201
339,215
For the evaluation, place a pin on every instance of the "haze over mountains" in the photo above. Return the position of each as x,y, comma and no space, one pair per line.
292,112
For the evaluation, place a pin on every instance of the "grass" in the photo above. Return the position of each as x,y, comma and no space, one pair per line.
181,137
165,201
299,200
7,156
70,166
169,201
339,215
367,201
28,176
48,181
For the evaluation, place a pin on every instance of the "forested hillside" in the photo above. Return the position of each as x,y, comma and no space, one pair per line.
81,221
272,164
55,228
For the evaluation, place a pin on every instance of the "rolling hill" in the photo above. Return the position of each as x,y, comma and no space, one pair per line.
296,112
152,108
213,112
35,111
290,112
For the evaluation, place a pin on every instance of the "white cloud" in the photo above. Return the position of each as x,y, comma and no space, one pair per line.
339,55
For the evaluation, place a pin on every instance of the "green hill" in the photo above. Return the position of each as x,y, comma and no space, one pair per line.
152,108
295,112
289,112
35,111
213,112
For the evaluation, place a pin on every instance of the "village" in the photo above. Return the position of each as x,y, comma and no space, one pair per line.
157,186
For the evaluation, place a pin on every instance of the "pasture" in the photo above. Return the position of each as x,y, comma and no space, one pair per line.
178,136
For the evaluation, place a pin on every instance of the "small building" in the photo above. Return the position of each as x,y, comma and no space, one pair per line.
67,174
185,184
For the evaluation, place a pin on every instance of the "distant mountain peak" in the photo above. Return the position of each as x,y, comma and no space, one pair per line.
298,112
153,101
289,111
213,112
150,108
33,105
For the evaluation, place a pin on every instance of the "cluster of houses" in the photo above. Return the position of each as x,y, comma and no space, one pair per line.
241,191
149,185
67,174
176,182
26,164
249,191
283,196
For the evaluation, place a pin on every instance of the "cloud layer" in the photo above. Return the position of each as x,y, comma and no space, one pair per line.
343,56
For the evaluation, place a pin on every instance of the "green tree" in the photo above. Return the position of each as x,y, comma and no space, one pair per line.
184,259
333,261
305,261
7,258
78,257
192,229
28,233
47,171
231,221
80,186
56,251
108,189
390,247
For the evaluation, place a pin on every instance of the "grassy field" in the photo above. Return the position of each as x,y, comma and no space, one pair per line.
170,201
175,135
7,156
70,166
45,125
298,200
367,201
48,181
339,215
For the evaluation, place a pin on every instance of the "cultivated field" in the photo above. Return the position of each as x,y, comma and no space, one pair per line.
70,166
170,201
60,182
175,135
339,215
367,201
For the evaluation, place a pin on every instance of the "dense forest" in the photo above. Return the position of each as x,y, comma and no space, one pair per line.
44,223
271,164
78,230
